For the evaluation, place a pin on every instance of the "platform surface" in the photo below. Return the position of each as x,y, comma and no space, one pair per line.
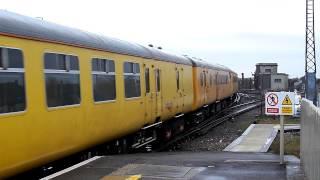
184,165
257,138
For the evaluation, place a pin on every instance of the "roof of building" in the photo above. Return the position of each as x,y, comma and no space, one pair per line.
32,28
282,74
267,64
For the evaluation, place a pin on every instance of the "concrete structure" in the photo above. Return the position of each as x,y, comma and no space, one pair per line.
266,77
266,68
309,140
257,138
279,82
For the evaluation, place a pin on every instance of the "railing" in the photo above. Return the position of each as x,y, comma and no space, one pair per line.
310,140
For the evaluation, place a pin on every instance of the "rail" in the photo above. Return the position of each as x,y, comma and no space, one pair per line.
212,122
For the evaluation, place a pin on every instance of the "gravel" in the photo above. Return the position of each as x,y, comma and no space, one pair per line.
221,136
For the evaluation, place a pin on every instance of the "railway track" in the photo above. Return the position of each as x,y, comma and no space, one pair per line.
206,125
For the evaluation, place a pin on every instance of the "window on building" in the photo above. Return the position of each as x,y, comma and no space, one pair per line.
268,70
104,80
157,73
62,78
147,79
277,80
12,85
132,80
178,79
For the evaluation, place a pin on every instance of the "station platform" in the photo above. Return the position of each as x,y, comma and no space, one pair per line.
184,165
258,137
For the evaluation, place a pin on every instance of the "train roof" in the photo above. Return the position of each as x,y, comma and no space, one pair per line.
201,63
32,28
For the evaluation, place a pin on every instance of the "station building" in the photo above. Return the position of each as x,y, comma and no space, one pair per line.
266,77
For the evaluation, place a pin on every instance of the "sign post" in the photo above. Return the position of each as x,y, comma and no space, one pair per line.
281,139
280,103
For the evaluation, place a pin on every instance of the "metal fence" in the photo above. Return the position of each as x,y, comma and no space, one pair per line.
310,139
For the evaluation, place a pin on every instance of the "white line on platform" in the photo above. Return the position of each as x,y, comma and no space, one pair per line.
71,168
250,160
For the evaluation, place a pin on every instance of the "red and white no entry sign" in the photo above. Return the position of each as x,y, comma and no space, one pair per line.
272,99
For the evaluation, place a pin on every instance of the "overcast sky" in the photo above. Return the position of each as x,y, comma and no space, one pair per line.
235,33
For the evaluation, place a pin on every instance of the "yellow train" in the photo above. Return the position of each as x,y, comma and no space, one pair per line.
63,90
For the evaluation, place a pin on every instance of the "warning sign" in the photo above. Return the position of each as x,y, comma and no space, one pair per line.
286,110
286,101
272,110
279,103
272,99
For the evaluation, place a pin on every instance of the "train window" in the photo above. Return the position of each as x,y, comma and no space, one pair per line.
210,80
201,79
178,79
12,85
103,79
62,78
147,79
132,80
157,73
222,79
235,79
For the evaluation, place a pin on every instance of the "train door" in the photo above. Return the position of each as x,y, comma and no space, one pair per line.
179,88
158,92
149,94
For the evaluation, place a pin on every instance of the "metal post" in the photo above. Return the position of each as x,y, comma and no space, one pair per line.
281,139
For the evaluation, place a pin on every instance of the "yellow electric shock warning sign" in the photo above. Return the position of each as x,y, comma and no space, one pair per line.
286,101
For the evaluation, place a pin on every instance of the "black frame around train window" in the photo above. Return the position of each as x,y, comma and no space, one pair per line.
12,81
158,79
103,80
62,77
132,85
178,79
147,79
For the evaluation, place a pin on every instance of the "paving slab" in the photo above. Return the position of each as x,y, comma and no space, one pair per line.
181,166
